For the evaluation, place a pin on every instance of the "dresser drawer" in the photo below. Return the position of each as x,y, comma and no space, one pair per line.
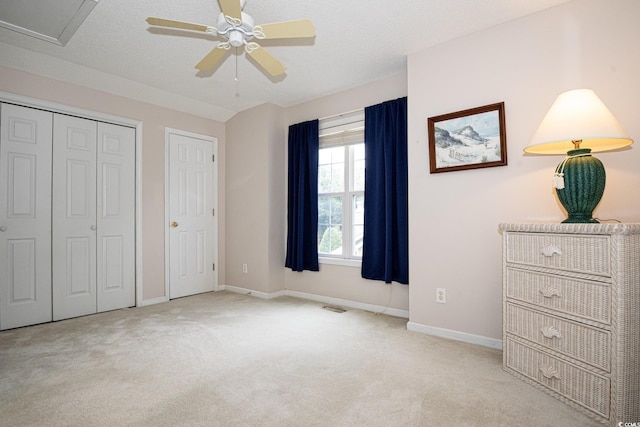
585,388
587,344
588,299
589,254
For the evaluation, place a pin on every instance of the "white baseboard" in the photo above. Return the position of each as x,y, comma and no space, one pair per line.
455,335
396,312
152,301
320,298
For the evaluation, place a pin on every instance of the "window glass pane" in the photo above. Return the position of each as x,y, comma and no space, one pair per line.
358,167
358,232
331,170
324,156
324,178
323,212
330,225
337,154
337,177
357,225
336,210
331,241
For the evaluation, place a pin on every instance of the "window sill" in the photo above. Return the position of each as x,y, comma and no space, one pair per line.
340,261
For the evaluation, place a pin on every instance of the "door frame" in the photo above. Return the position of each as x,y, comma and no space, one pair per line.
108,118
214,145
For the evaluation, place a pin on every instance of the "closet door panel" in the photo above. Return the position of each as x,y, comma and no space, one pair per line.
74,217
25,216
116,217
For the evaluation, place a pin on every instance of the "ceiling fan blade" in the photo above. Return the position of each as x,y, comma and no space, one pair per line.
288,29
265,59
213,58
231,8
161,22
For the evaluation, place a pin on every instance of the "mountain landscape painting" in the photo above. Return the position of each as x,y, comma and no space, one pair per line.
465,141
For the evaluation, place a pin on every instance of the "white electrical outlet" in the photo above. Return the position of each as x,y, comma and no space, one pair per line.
441,295
245,269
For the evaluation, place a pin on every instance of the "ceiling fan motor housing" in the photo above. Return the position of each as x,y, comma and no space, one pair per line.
236,32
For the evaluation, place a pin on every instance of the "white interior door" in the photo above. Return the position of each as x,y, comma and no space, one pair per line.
74,217
116,217
191,222
25,216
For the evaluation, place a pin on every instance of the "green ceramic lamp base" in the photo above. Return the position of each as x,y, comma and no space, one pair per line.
584,180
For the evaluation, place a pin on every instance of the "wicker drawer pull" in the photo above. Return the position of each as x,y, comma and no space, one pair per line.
551,332
551,291
550,372
550,250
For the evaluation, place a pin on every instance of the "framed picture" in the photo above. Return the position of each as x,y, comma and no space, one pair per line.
469,139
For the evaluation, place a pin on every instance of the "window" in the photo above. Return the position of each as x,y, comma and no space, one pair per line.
341,187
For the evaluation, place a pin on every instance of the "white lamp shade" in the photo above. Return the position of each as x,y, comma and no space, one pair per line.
578,115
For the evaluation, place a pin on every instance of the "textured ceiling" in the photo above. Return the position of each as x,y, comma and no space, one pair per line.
356,42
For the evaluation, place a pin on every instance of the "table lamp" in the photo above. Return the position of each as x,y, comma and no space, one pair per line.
578,124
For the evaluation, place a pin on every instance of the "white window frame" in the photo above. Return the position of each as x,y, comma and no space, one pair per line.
345,130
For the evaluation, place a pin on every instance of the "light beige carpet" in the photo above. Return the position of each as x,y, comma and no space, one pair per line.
224,359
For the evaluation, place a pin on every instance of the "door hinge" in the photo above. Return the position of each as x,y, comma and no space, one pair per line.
213,157
213,212
214,267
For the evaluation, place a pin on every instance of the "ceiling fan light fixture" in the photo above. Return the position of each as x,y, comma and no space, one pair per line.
236,38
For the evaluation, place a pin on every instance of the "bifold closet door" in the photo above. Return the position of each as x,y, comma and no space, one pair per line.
116,217
74,216
67,216
25,216
93,217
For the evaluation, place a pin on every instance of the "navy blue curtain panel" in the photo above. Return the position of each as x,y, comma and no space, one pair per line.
385,253
302,200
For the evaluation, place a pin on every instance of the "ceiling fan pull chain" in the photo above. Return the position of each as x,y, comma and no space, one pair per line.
236,70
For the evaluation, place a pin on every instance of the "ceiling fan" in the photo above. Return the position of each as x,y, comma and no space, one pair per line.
237,28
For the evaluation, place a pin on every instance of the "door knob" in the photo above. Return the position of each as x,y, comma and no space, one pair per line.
3,228
93,227
174,224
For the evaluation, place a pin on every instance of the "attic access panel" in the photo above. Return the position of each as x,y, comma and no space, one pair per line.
54,21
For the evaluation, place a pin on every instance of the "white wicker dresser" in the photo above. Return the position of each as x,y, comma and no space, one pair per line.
571,314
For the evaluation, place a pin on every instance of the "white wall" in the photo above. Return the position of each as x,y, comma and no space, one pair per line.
454,216
255,203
